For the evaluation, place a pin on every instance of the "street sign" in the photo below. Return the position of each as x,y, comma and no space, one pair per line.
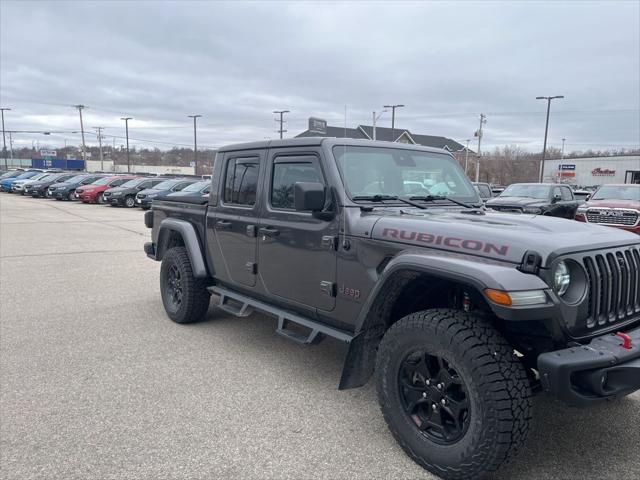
48,153
567,166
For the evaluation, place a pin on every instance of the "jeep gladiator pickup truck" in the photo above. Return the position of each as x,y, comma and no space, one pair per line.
460,312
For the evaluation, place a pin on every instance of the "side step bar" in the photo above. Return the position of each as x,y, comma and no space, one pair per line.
248,305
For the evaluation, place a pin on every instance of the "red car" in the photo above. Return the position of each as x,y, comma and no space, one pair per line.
614,206
92,193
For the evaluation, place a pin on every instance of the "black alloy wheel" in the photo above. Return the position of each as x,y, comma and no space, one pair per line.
434,396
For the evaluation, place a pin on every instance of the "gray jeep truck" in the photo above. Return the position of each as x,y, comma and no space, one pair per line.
460,312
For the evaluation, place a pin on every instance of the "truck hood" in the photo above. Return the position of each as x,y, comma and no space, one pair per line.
517,201
500,236
613,204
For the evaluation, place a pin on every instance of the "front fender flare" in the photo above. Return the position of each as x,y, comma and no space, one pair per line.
478,273
191,243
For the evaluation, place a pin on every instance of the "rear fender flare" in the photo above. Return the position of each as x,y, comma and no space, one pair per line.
191,243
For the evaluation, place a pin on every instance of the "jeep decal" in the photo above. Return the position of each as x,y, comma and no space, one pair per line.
452,242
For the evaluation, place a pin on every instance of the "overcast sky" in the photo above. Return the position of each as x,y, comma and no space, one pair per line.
235,63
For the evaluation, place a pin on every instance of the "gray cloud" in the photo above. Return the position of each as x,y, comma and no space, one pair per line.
236,62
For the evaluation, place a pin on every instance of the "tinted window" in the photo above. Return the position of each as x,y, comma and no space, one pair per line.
118,182
526,190
566,194
241,181
285,175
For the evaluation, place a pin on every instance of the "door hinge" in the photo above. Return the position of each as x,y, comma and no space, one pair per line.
328,288
330,242
251,267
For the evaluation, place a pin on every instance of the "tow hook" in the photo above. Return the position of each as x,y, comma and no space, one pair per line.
626,340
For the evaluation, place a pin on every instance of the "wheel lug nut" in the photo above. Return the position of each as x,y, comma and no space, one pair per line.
434,407
439,386
443,401
424,394
428,382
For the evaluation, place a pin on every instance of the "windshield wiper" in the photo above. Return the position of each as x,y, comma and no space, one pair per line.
433,198
382,198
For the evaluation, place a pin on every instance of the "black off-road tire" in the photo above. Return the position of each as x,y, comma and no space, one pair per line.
194,296
495,381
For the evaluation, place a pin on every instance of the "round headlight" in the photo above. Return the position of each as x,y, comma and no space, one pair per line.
561,278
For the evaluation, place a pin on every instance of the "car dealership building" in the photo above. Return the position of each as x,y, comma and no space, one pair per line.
588,171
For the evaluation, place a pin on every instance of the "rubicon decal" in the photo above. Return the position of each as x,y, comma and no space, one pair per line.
451,242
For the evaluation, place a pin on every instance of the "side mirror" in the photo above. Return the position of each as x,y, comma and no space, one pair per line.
308,196
588,198
557,197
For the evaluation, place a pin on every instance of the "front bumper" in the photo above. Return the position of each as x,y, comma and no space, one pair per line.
587,374
144,202
115,200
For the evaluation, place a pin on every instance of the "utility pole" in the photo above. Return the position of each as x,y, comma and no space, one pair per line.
375,119
281,113
126,130
99,129
393,120
195,143
84,148
466,156
546,130
483,120
4,141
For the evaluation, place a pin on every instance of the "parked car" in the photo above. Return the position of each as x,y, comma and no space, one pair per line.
94,192
39,188
614,206
145,197
460,313
11,174
195,190
66,190
125,195
19,185
7,183
536,198
484,190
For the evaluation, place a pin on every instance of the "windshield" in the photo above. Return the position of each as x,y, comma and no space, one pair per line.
132,183
76,179
195,187
40,176
618,193
102,181
166,185
528,191
368,171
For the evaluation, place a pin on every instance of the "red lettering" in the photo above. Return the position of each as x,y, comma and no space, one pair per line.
390,232
449,242
491,248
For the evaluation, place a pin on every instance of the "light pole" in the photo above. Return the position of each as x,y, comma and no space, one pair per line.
126,130
393,120
4,141
546,131
375,119
483,120
466,156
195,143
562,161
281,113
84,148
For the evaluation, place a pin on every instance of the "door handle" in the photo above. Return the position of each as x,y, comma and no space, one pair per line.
268,231
223,225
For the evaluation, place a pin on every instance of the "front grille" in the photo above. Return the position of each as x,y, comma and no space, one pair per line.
614,286
107,194
507,209
141,196
612,217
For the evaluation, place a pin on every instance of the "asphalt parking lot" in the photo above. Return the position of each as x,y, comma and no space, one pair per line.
97,383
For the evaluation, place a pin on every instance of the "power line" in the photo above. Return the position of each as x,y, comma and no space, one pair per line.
282,121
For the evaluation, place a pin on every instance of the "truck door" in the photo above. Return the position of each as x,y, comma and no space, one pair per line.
296,250
236,215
